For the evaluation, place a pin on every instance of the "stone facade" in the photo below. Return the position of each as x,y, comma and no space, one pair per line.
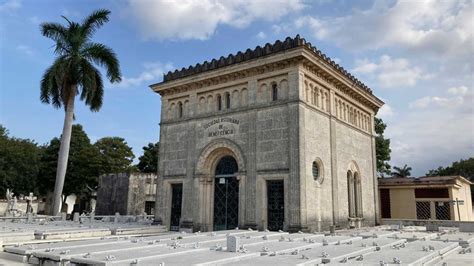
126,193
283,112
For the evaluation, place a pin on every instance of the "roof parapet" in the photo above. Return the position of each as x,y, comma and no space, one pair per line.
249,54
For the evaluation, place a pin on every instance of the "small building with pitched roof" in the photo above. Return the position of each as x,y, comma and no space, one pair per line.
426,198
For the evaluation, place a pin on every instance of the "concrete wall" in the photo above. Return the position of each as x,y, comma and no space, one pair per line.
112,194
20,205
462,193
402,203
125,193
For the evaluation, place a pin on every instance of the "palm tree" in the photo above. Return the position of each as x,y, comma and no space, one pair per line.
405,171
73,73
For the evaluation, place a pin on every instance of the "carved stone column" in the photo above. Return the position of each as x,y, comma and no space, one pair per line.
203,183
241,177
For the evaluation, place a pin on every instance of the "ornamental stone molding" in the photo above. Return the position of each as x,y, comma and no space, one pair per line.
215,150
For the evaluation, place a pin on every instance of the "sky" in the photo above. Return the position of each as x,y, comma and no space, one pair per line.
417,56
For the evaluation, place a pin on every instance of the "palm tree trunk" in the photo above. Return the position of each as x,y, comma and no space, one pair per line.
64,152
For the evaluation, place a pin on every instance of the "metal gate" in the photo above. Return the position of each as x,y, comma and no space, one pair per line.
176,203
275,205
226,195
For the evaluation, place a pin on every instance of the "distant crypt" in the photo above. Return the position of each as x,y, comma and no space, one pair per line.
279,137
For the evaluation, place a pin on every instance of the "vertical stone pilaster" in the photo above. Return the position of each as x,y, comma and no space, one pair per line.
160,190
251,163
193,104
374,172
293,205
334,177
243,201
295,84
189,197
302,165
252,89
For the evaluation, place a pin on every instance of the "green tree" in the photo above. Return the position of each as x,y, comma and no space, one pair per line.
19,160
116,155
148,162
73,73
404,171
463,167
84,164
382,148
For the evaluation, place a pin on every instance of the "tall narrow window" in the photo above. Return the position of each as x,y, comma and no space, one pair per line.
357,212
350,196
227,100
274,92
180,110
219,103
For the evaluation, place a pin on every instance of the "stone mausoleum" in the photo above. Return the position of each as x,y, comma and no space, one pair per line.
278,137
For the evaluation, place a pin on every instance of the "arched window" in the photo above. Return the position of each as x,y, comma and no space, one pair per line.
350,192
357,195
274,92
180,110
219,103
227,100
227,166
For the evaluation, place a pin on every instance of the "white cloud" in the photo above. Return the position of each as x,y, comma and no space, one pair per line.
261,35
437,131
10,5
364,67
199,19
24,49
390,72
153,71
443,28
385,112
461,90
460,96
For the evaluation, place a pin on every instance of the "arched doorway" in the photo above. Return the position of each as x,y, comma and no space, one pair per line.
226,194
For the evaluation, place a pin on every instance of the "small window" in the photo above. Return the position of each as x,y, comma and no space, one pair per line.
219,103
315,170
180,110
227,100
274,92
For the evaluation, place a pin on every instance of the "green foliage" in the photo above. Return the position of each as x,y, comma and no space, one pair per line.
148,162
83,167
73,71
19,160
116,155
382,147
462,167
404,171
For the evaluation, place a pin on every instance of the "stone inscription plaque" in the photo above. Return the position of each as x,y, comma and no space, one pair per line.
222,126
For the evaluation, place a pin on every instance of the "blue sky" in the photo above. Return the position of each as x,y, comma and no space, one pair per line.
415,55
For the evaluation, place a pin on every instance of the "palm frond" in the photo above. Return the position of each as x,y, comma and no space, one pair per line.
52,83
95,21
57,33
103,56
92,86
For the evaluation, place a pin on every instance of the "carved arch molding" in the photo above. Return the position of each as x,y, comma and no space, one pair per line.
213,152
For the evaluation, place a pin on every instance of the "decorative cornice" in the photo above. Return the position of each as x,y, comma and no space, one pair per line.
230,77
269,49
